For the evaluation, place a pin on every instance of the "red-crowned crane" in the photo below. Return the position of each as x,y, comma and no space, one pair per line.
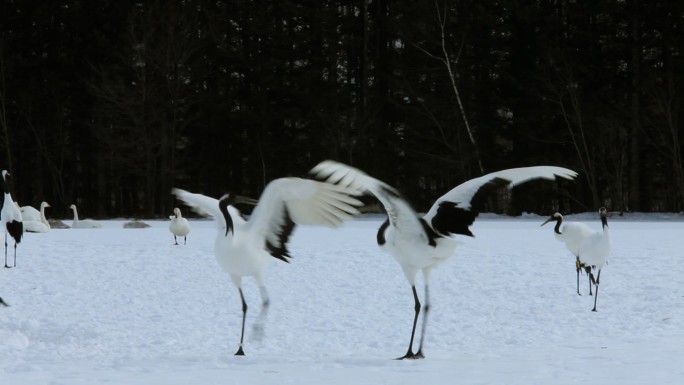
594,252
420,243
572,234
11,217
243,248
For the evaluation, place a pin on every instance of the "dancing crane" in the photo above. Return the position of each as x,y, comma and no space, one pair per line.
243,248
423,242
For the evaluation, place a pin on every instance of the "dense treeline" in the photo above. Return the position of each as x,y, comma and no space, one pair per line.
108,104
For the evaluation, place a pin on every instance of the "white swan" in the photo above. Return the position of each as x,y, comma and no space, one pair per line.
29,213
84,223
35,227
179,226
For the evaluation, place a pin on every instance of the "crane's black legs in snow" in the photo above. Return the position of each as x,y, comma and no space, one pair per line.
598,280
426,309
241,352
409,353
6,265
578,265
587,269
3,303
185,240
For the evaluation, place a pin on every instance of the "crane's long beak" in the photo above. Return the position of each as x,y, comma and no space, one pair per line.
547,221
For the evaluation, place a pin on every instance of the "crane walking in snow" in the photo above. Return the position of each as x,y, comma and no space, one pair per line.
11,217
420,243
572,234
594,252
243,248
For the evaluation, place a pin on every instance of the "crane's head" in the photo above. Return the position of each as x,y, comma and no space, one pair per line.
73,207
177,212
554,217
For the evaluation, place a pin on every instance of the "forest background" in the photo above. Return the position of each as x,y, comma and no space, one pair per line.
109,104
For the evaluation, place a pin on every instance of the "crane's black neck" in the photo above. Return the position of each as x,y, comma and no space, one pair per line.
559,222
223,207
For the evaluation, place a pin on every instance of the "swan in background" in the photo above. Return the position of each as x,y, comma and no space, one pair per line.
179,226
11,217
29,213
84,223
422,242
244,248
35,227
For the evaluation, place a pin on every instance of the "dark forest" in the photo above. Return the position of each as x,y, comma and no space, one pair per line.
110,104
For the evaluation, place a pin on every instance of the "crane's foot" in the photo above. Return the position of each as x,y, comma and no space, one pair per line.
3,303
240,352
411,356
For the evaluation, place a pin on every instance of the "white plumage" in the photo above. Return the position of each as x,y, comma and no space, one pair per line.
572,234
243,248
420,243
35,227
11,217
29,213
83,223
179,226
595,250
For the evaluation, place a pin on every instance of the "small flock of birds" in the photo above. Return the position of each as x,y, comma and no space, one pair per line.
17,220
418,243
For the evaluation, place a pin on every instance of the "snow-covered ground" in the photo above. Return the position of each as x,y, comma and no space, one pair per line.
126,306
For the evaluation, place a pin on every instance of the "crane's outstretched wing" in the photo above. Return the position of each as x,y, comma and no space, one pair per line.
287,202
456,210
401,214
207,206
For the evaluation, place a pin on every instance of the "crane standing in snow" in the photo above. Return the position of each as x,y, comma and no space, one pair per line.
243,248
423,242
572,234
11,217
594,252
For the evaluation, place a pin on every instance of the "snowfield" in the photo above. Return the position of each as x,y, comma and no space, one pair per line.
126,306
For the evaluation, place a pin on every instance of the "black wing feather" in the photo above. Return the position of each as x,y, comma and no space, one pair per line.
280,250
452,219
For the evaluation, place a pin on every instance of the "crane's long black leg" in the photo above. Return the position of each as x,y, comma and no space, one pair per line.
591,277
3,303
241,352
598,280
6,265
175,242
426,309
409,353
185,240
578,266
